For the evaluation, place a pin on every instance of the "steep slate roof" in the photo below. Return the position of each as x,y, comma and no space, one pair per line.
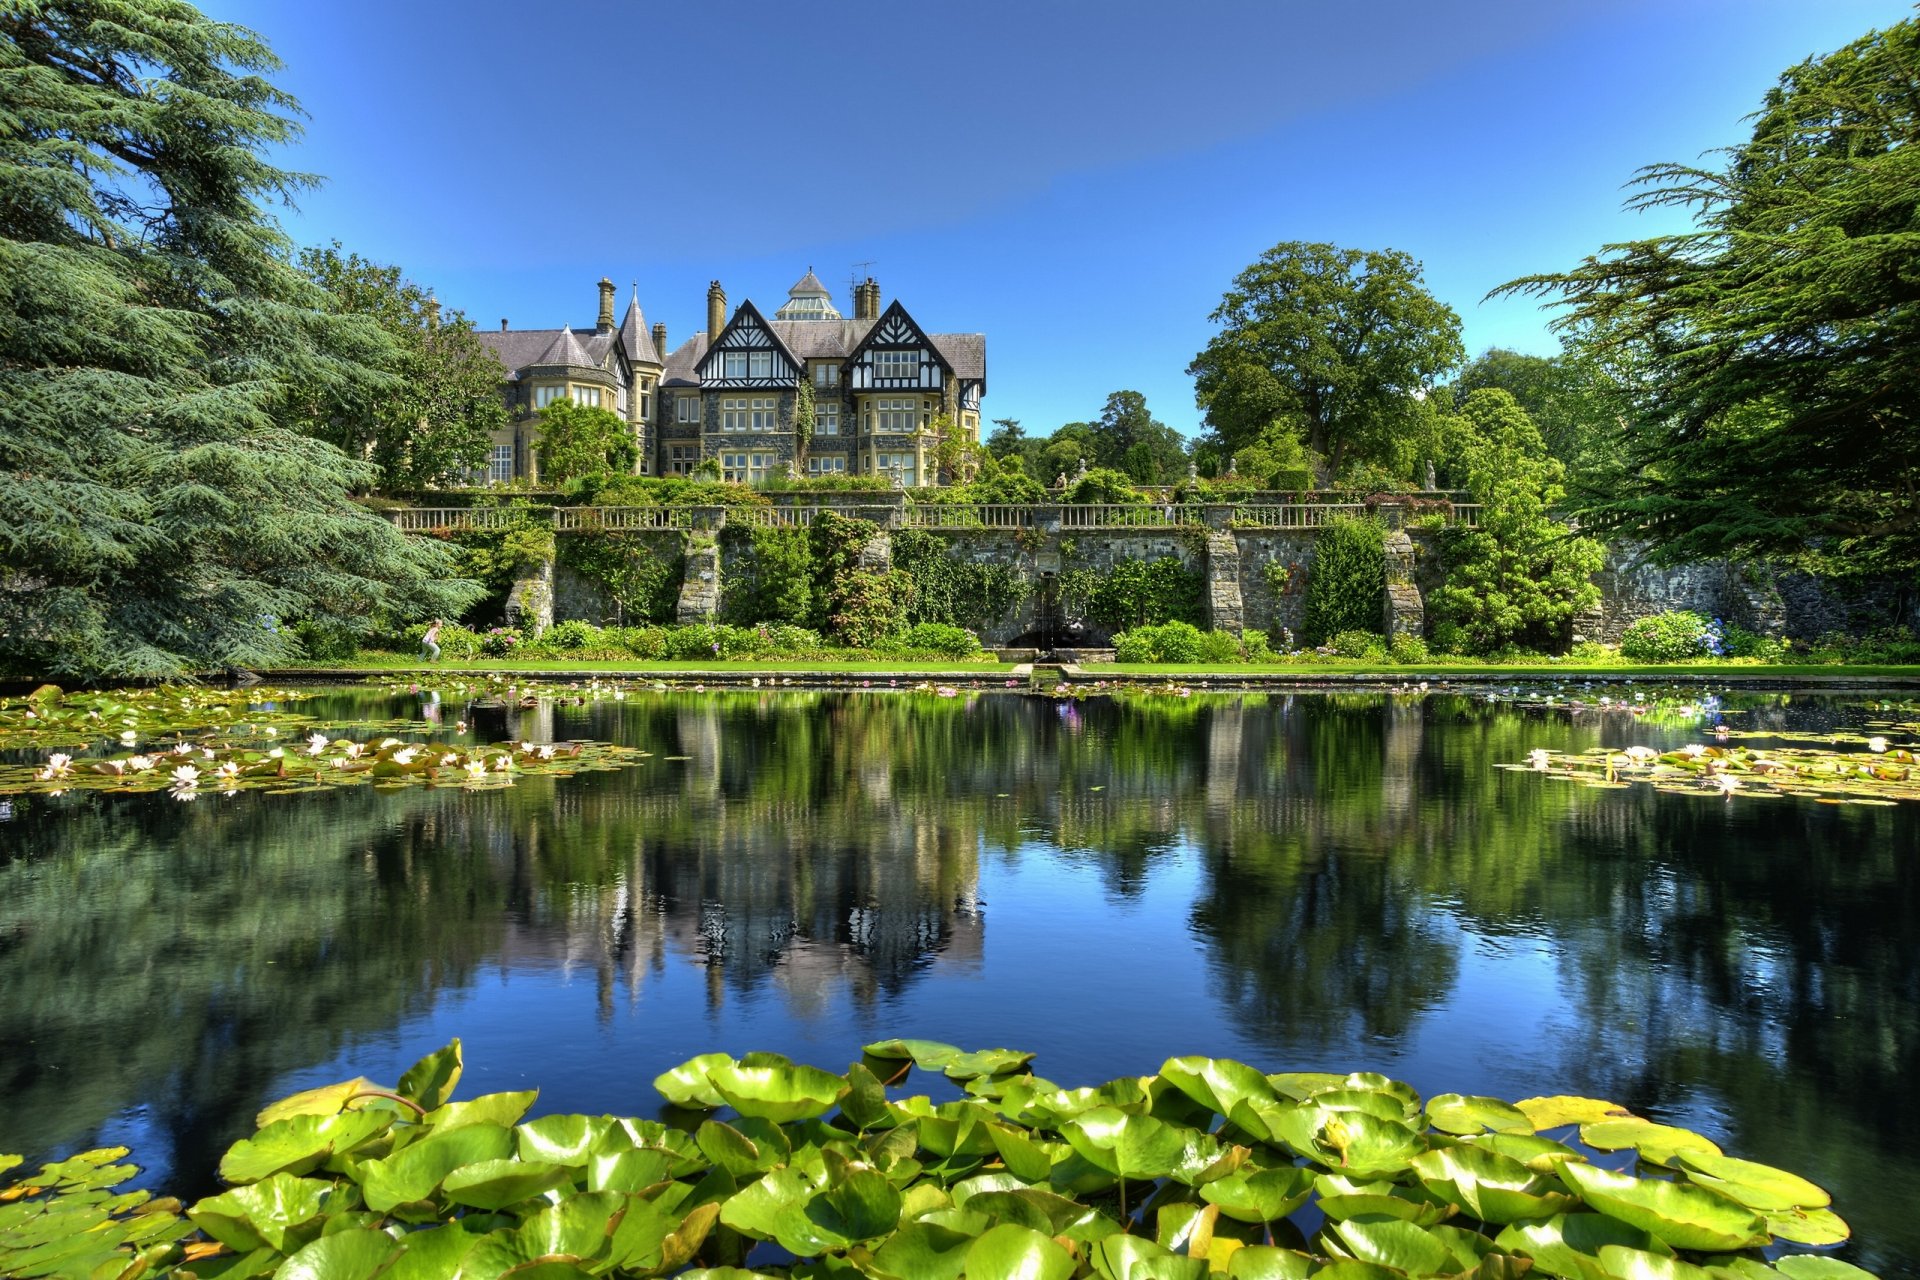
635,337
566,349
809,283
682,366
516,349
820,339
965,352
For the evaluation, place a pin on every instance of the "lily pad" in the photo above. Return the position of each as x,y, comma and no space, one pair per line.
1683,1215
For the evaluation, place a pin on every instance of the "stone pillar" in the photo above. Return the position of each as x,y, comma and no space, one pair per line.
530,602
1226,611
700,588
877,555
1403,612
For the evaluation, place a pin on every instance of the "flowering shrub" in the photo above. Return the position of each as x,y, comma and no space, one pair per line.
1674,636
500,642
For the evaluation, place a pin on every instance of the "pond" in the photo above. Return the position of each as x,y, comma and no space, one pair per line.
1301,881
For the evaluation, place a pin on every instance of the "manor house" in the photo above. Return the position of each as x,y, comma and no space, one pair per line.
883,387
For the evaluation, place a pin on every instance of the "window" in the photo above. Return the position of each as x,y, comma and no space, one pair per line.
734,364
760,364
766,413
587,397
896,364
826,466
500,465
686,409
826,375
733,415
758,466
544,396
826,419
899,416
682,459
733,467
895,464
646,406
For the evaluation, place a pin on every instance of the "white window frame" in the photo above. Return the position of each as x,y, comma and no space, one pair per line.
766,413
826,374
585,397
760,364
686,409
834,464
733,467
896,364
733,414
759,467
897,416
544,396
733,364
826,419
500,464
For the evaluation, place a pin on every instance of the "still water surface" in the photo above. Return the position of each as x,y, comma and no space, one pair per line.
1317,882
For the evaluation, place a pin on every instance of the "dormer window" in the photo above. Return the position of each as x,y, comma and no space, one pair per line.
896,364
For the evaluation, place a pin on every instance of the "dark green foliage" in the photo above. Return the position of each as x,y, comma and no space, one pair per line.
1772,350
1184,642
161,514
1568,396
868,607
577,442
950,589
937,638
1674,636
1104,485
1333,344
1368,646
1522,576
429,425
1347,584
1137,593
770,574
1125,438
643,583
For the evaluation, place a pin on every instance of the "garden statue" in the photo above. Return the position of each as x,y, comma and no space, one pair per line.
1430,480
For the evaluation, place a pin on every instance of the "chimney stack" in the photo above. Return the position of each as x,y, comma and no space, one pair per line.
716,310
866,300
660,341
605,322
503,324
433,312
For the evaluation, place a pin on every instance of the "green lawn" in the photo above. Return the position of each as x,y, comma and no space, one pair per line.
634,666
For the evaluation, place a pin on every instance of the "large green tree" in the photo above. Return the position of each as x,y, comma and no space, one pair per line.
1340,345
1130,439
579,442
161,517
1777,339
1570,397
429,425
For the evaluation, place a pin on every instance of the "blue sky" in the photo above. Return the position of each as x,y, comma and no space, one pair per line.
1078,181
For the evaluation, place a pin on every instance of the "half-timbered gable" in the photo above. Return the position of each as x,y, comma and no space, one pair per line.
897,355
749,356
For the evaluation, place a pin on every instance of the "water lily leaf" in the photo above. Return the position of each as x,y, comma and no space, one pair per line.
928,1055
1372,1102
1033,1207
1655,1143
733,1151
356,1254
864,1105
1637,1264
1683,1215
1010,1252
634,1169
1020,1152
1808,1226
1383,1205
1138,1146
859,1205
1489,1186
567,1140
263,1213
777,1093
414,1173
1542,1155
1366,1144
495,1184
1392,1243
432,1254
1457,1113
985,1062
431,1081
578,1227
921,1251
1219,1084
1125,1257
1569,1244
687,1085
1259,1197
323,1101
1758,1186
1813,1266
1264,1262
299,1143
503,1109
1551,1113
1300,1085
683,1242
774,1208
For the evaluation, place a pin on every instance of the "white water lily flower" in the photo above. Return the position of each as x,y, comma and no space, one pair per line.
271,732
1538,758
1693,751
316,744
184,749
384,743
207,752
476,769
185,793
1727,784
277,753
228,770
1642,755
186,776
546,753
526,746
129,737
353,749
140,764
451,757
118,766
1876,744
59,764
405,755
502,763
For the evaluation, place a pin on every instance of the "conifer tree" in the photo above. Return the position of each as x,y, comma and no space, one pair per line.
161,517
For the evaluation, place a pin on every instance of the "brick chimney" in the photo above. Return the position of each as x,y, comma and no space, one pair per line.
716,310
605,323
866,300
660,340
